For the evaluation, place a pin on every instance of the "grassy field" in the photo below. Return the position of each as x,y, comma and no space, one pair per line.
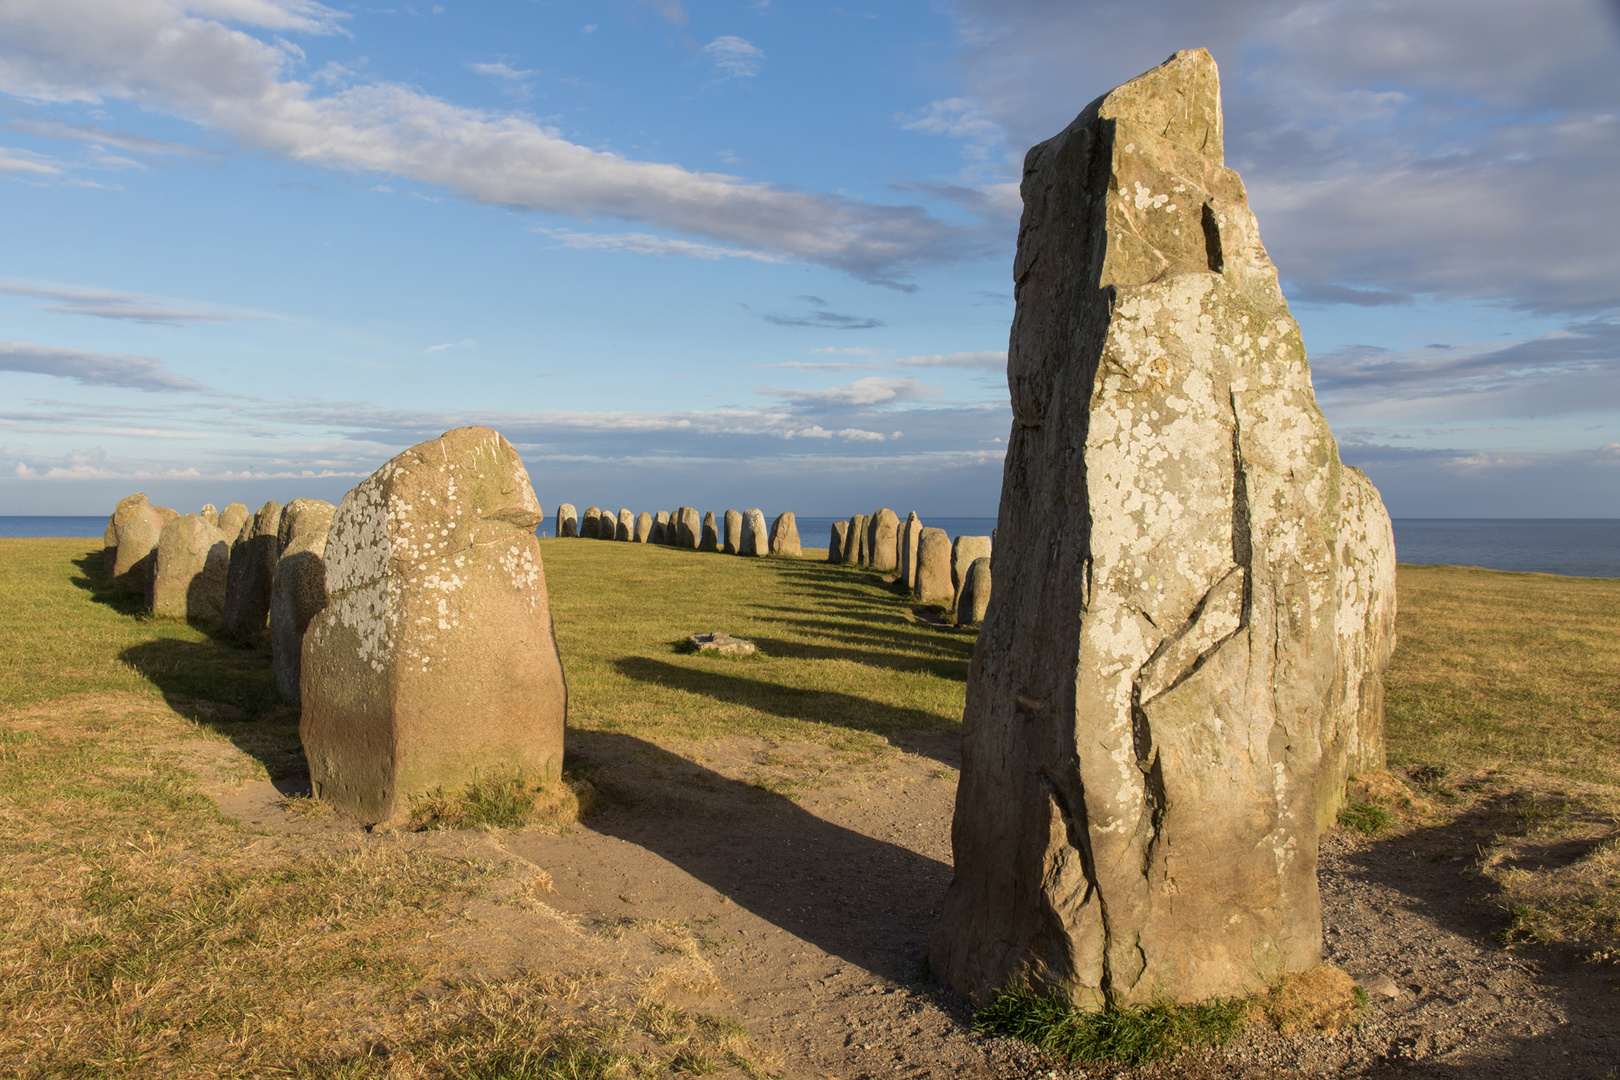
150,934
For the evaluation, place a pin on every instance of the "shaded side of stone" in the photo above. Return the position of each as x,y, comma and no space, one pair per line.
567,520
860,539
965,551
251,573
837,541
188,580
974,598
296,597
711,533
910,533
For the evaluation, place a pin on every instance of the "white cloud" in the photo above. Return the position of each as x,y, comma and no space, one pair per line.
500,70
647,244
847,350
125,307
734,56
24,163
91,368
172,57
872,390
464,343
958,118
975,361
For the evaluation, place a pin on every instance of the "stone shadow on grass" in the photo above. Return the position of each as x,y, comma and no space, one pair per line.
868,901
97,582
1445,1009
812,706
944,667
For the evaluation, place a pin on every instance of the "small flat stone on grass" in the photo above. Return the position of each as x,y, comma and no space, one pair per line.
724,644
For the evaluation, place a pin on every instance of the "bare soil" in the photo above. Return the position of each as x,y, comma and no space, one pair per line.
792,888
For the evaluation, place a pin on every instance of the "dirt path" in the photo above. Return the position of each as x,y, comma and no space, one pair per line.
805,919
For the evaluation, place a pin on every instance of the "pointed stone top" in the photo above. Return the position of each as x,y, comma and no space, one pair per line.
1180,100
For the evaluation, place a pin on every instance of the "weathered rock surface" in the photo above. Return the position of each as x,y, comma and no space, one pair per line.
209,514
435,656
251,573
858,537
933,567
906,549
298,593
190,563
140,526
302,516
756,540
711,533
883,540
965,551
689,529
733,539
567,520
109,536
625,529
837,541
231,519
724,644
974,596
590,523
785,536
644,527
1194,597
660,529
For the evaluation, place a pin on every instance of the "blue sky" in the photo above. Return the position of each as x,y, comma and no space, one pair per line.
758,253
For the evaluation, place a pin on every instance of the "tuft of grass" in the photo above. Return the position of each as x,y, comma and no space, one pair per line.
1133,1036
502,799
1365,817
1324,998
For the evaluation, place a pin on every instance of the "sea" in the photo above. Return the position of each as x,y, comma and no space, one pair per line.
1578,547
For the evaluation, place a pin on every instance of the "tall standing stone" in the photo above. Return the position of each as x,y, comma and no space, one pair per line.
965,550
711,533
298,592
933,583
1194,598
660,529
689,529
140,525
733,540
974,596
906,549
590,523
209,514
860,539
785,536
755,539
836,542
434,659
883,540
251,573
625,529
231,519
644,527
109,537
567,520
190,563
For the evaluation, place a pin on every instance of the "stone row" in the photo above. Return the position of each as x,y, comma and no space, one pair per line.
733,533
933,567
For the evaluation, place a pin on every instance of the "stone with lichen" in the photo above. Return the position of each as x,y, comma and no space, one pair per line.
1194,597
435,656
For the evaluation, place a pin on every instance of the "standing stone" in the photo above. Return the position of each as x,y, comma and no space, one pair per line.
711,533
733,540
910,533
231,519
109,536
299,591
883,541
434,659
974,596
301,516
590,523
965,550
672,535
860,538
188,581
644,528
567,520
836,542
934,567
139,526
1193,595
625,530
660,527
689,529
209,514
785,536
252,570
755,540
